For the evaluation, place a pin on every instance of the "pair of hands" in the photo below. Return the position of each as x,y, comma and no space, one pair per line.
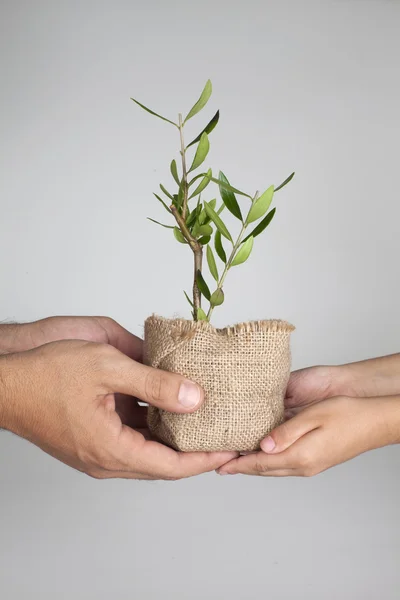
77,401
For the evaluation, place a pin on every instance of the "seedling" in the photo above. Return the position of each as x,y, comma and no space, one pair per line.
198,222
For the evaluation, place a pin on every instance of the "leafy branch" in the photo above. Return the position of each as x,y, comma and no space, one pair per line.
197,225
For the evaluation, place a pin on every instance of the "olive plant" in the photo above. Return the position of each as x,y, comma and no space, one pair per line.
198,223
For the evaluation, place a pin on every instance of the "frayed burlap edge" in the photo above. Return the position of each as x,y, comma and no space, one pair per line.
182,327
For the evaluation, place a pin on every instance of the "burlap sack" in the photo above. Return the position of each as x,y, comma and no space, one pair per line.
243,369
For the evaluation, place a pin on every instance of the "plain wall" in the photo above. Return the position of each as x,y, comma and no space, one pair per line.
311,86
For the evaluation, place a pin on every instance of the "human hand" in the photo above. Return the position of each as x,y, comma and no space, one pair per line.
368,378
323,435
61,397
311,385
25,336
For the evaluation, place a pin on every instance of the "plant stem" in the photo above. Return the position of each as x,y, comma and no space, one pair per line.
184,170
180,218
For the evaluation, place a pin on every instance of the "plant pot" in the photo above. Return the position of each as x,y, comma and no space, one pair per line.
244,371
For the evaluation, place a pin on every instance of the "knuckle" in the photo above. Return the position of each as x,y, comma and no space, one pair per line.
259,465
281,434
154,384
106,323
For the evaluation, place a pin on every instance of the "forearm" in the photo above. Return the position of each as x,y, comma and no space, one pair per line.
374,377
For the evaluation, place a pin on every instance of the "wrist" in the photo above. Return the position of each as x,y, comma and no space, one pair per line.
372,378
387,420
5,393
16,391
339,381
16,337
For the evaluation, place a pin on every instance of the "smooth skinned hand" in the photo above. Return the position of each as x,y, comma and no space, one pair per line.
311,385
325,434
63,396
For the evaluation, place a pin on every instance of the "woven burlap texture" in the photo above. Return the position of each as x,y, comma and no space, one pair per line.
243,370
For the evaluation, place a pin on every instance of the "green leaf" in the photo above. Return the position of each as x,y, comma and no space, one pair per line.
207,129
204,240
261,205
201,152
201,315
217,298
229,187
229,199
262,225
203,184
211,263
217,221
153,113
193,217
219,247
158,223
205,230
188,299
200,230
221,208
179,236
201,102
199,176
174,172
162,202
285,182
166,192
203,287
244,252
203,215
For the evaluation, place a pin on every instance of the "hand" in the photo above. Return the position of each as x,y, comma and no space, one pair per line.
368,378
323,435
20,337
311,385
61,397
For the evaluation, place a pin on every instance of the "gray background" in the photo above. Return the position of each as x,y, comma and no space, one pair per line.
311,86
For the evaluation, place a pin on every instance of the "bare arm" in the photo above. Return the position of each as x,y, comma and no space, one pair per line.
374,377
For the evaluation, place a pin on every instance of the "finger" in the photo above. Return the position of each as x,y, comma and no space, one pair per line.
274,473
292,412
293,397
289,432
157,461
257,464
168,391
121,338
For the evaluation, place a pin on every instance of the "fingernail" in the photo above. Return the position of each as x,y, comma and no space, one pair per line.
268,444
189,394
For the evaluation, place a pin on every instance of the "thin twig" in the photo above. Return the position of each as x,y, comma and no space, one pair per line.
180,218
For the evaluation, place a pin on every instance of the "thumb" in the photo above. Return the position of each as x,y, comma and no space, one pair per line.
289,432
169,391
